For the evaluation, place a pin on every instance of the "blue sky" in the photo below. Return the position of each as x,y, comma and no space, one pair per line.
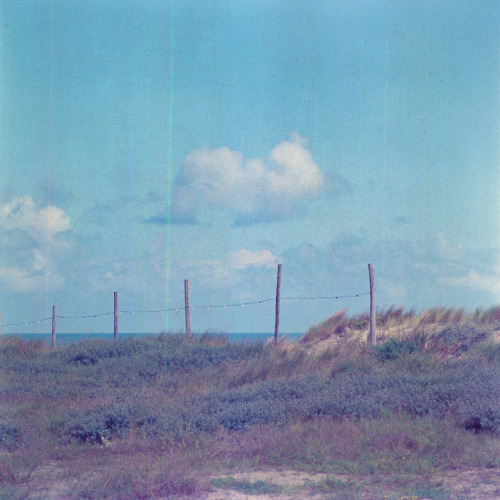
147,142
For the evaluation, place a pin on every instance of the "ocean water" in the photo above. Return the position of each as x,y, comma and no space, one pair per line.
69,338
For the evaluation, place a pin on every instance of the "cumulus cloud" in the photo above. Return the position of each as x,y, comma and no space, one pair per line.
249,188
27,227
23,214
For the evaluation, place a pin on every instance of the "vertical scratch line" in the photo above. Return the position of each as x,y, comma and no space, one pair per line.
47,276
169,166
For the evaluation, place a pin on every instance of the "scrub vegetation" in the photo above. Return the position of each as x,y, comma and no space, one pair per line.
170,417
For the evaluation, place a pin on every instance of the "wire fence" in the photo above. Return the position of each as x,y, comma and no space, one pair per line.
182,308
187,309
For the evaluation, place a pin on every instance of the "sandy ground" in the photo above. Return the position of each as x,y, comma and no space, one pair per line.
473,484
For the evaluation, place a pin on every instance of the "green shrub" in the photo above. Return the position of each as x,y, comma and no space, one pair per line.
9,435
464,390
459,338
490,351
394,348
96,424
484,418
91,366
170,353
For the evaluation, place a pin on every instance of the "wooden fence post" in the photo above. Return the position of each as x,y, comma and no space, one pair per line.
115,329
373,310
186,307
53,326
277,318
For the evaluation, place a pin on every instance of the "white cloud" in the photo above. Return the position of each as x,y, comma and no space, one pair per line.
23,280
23,214
28,229
245,258
475,281
40,260
221,273
224,179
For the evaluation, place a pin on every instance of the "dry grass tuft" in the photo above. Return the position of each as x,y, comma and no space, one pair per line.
335,325
397,322
12,345
489,317
441,315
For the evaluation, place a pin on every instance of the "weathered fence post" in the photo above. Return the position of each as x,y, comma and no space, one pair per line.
277,318
186,307
373,310
115,329
53,326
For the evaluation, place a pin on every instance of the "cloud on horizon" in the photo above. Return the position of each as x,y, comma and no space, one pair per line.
248,189
427,273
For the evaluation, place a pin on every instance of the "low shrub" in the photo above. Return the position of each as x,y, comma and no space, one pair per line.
459,338
93,351
484,418
9,435
394,348
96,424
171,353
490,351
462,390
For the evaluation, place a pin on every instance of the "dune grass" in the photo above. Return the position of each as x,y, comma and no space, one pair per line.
396,319
162,416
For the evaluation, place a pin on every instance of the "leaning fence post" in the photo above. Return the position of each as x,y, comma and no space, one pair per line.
277,318
186,307
53,326
373,313
115,329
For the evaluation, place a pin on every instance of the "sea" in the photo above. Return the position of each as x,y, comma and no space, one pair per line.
70,338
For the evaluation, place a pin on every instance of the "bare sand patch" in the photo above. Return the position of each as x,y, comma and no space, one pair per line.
473,484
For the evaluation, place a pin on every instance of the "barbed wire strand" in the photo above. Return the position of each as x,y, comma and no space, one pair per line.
182,308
